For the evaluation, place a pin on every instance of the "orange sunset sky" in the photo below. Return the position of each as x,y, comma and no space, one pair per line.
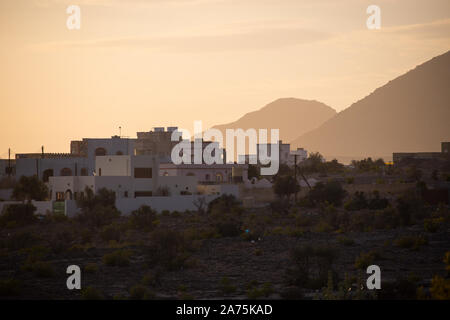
140,64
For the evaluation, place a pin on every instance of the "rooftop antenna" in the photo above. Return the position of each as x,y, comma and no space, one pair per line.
120,131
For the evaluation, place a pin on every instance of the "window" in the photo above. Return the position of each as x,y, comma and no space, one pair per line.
100,152
119,153
65,172
125,194
142,194
142,172
59,196
83,172
207,177
99,172
219,177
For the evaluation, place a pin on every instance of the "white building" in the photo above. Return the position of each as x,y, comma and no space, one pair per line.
127,176
301,154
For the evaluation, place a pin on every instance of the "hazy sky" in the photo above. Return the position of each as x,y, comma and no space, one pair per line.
145,63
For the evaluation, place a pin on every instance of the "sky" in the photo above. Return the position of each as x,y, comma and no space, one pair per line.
138,64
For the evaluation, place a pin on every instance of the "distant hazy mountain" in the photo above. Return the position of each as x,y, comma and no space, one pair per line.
410,113
292,116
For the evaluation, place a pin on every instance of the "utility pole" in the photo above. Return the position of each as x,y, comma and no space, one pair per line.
295,176
42,149
9,162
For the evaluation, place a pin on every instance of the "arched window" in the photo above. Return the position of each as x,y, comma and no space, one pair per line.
68,195
47,174
65,172
100,152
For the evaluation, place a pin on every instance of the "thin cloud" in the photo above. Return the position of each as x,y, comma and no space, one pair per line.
252,40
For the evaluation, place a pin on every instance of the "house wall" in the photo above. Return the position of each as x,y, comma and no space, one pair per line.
113,165
29,166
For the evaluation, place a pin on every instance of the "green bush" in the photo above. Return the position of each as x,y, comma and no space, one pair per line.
139,292
168,249
411,242
346,241
18,215
10,288
310,266
40,269
143,218
119,258
258,292
366,259
226,287
91,293
91,268
433,224
20,240
330,192
111,232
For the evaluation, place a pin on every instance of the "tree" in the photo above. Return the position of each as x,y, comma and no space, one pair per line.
30,188
285,186
98,210
331,192
253,172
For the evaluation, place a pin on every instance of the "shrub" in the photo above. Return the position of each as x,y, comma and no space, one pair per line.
346,241
119,258
357,202
91,293
411,242
259,292
310,266
41,269
18,215
433,224
111,232
386,219
228,228
20,240
293,293
440,288
168,249
143,218
331,192
152,278
366,259
61,241
91,268
226,287
225,204
377,203
139,292
9,287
